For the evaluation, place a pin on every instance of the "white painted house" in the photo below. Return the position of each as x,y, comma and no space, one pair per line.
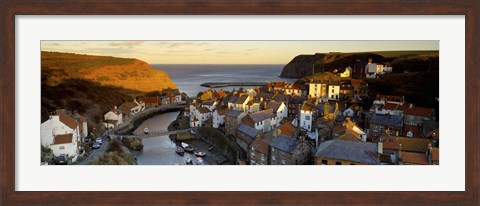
242,102
306,116
263,120
61,134
113,118
333,91
218,117
279,109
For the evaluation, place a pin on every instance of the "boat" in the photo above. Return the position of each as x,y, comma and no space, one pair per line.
189,148
199,160
199,154
188,161
180,150
211,148
146,131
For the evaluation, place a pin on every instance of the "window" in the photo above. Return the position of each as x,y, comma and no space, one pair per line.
338,163
283,162
332,96
252,154
253,162
273,149
307,117
273,157
324,162
61,147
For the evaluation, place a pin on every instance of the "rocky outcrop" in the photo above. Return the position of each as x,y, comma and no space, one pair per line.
300,66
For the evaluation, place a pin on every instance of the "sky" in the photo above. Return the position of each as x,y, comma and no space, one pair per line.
226,52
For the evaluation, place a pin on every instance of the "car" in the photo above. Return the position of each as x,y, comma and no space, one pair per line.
96,145
61,160
98,140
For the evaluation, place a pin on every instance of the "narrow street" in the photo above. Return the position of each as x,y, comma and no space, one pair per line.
96,152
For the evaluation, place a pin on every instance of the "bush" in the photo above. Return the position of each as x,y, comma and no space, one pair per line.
133,143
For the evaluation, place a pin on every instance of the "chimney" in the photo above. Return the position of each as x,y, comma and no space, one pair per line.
380,147
396,135
410,106
370,60
302,138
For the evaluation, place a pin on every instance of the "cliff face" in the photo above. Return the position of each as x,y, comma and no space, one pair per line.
302,65
129,74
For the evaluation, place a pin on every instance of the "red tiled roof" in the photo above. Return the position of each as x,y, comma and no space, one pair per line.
70,122
415,130
408,144
287,129
419,111
116,111
277,84
357,82
415,158
260,145
62,139
127,106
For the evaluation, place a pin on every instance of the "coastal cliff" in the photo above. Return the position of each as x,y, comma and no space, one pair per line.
304,65
131,74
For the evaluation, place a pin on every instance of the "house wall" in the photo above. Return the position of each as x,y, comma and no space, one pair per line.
278,157
70,149
218,119
306,119
333,92
53,127
257,158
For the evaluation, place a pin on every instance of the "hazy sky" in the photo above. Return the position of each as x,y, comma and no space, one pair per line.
226,52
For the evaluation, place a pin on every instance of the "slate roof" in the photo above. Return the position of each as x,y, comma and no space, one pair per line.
70,122
262,115
233,99
307,106
281,98
242,99
390,98
396,121
264,95
116,111
249,131
274,106
286,144
222,110
233,113
297,100
355,151
63,139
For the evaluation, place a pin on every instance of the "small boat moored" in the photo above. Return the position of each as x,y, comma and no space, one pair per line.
200,154
146,131
187,147
180,150
188,161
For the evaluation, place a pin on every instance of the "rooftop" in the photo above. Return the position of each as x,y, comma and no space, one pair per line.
284,143
355,151
262,115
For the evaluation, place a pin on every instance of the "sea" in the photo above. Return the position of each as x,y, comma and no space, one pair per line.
189,77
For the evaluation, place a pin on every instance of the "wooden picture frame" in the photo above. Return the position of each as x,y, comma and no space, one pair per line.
10,8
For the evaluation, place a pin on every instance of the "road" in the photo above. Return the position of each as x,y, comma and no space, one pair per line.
96,152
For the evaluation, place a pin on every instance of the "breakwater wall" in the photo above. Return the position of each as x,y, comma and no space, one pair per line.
228,84
133,122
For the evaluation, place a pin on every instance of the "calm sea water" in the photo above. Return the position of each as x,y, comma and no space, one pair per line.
189,77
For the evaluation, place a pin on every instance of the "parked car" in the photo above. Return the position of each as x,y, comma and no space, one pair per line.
61,160
98,140
96,145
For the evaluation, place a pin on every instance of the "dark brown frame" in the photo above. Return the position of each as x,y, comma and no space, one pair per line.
10,8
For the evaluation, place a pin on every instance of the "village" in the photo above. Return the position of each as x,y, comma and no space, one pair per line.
319,122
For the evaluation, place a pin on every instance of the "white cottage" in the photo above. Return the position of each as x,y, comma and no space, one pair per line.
61,134
306,116
113,118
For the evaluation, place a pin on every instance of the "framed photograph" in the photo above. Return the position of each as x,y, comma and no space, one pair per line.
243,103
